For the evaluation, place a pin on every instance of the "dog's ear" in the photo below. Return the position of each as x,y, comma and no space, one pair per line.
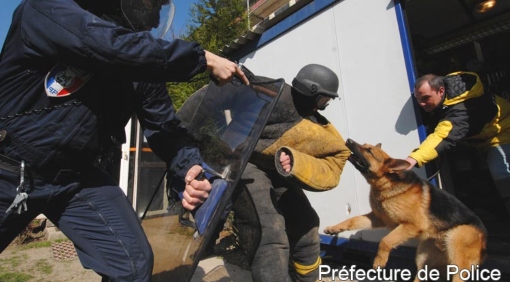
396,165
378,145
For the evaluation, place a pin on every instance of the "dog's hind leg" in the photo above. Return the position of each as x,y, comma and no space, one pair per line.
428,254
465,245
366,221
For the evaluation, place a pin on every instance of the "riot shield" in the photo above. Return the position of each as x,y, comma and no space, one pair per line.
227,122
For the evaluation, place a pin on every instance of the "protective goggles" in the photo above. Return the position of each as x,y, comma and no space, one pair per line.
310,88
155,16
321,102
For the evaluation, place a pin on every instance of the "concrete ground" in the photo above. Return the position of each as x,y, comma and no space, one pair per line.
43,264
210,269
216,269
61,263
221,267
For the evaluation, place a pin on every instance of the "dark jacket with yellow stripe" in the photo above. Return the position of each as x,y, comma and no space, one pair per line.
467,115
318,152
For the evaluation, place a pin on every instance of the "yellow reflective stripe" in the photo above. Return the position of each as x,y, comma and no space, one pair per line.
305,269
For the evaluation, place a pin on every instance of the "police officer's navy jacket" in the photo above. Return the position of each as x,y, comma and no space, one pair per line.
127,72
467,114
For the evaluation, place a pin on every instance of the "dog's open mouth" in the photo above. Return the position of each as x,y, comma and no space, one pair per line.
358,162
356,158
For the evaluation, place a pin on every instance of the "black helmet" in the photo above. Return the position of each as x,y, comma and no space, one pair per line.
313,80
138,15
317,81
152,15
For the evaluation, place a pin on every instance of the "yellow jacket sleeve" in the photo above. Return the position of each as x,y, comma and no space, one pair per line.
318,155
427,150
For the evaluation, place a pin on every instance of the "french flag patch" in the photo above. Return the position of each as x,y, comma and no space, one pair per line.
63,80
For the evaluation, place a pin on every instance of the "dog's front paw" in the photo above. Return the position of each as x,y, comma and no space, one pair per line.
335,229
380,262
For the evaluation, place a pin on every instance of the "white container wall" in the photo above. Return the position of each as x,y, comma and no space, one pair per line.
360,41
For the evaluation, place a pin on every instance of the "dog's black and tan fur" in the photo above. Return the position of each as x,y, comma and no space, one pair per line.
449,233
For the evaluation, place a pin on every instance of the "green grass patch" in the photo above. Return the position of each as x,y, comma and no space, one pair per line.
41,244
12,262
15,277
43,266
35,245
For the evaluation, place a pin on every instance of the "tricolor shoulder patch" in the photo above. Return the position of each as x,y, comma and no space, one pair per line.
63,80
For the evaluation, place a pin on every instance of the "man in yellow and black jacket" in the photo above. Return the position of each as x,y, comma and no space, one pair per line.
463,112
299,149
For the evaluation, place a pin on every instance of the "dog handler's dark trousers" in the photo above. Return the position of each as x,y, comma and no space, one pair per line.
278,227
93,212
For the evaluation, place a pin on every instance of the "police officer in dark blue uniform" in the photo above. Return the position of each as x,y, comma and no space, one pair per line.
72,73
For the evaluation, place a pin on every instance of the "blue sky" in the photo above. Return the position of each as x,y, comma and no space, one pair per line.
8,6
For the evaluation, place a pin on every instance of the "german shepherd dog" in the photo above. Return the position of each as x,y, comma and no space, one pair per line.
448,232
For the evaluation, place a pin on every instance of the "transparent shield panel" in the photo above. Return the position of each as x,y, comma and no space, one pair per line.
227,122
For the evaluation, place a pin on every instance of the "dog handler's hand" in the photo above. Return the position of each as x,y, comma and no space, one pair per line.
224,70
412,163
196,190
285,162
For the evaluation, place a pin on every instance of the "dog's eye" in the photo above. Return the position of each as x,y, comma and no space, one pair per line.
369,150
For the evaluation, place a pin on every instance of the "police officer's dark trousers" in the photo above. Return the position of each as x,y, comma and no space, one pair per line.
277,226
93,212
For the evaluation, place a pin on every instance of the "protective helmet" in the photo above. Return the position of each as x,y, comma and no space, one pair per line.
138,15
317,81
149,15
